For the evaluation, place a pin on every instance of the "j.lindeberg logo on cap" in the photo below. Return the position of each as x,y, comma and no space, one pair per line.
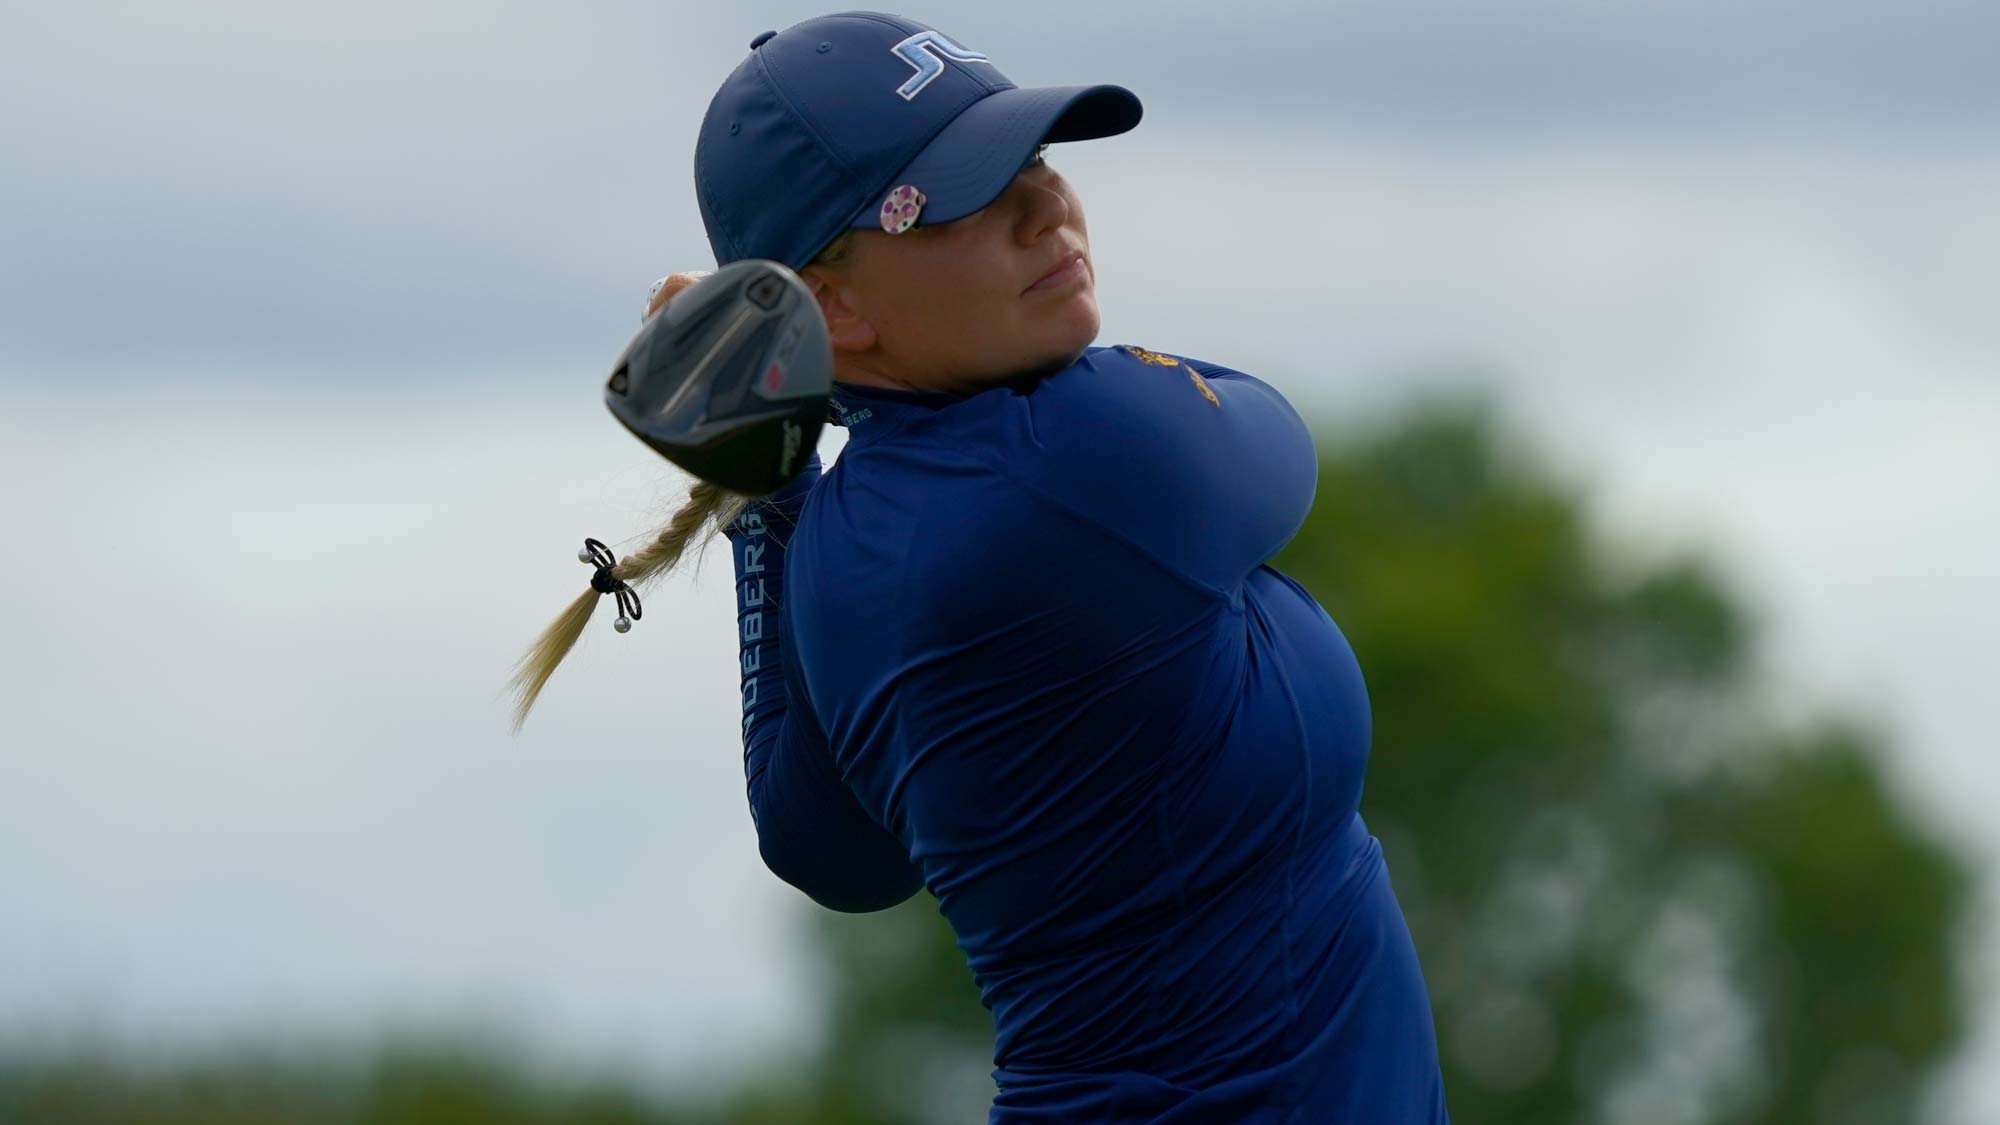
917,51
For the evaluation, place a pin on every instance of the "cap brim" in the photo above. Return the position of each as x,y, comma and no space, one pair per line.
972,161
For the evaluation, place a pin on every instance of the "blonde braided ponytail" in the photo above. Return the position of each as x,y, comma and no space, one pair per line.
708,506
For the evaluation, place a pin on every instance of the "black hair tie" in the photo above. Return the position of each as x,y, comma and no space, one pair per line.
605,582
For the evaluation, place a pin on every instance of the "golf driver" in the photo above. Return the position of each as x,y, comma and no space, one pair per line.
730,380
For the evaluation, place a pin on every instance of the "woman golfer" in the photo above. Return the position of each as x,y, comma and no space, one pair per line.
1019,645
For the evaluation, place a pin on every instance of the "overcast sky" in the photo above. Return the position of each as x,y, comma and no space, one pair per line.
302,315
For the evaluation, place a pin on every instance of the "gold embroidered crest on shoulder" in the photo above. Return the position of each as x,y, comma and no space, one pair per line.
1157,359
1144,356
1201,385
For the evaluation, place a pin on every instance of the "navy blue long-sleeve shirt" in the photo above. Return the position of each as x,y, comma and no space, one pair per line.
1021,648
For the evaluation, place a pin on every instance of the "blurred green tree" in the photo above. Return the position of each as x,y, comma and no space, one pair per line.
1633,900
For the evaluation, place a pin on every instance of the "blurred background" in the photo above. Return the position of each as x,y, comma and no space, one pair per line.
1653,355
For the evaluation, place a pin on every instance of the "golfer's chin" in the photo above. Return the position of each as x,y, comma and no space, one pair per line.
1045,342
1063,329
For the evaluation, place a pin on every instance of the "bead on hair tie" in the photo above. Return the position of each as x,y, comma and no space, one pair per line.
604,581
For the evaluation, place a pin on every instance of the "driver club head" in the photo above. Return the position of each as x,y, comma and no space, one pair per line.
730,380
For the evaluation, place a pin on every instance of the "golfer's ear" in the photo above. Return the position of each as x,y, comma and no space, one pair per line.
846,328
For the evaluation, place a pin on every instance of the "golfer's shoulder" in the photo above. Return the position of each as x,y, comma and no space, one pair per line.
1080,443
1121,407
1110,401
1119,421
1035,470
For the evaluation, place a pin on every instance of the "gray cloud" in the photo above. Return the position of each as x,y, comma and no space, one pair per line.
414,187
1560,65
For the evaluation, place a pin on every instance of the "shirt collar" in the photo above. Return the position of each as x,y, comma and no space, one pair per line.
875,409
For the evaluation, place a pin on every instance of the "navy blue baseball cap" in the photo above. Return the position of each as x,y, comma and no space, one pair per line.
829,119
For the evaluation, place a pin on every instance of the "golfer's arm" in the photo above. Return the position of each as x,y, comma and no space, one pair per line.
811,830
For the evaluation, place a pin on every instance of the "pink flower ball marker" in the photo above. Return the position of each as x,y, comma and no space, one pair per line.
901,208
